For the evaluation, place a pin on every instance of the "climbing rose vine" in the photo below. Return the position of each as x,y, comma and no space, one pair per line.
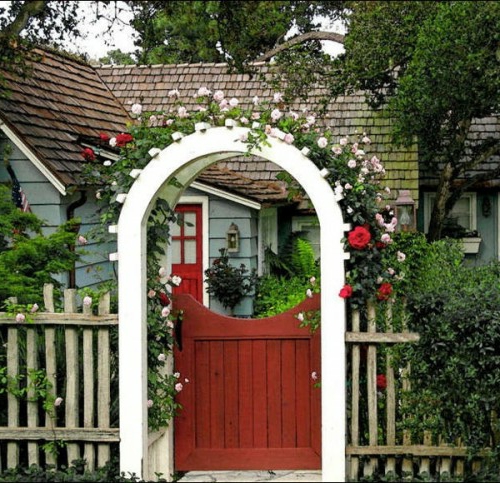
354,175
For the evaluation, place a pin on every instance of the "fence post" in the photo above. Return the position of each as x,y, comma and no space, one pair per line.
371,382
50,362
12,402
88,388
390,394
354,463
103,382
72,374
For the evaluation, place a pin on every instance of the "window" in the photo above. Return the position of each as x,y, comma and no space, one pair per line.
310,225
464,210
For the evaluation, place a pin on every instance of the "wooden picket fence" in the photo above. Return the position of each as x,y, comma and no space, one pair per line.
376,444
72,351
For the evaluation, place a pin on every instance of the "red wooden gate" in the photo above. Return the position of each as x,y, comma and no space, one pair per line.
250,402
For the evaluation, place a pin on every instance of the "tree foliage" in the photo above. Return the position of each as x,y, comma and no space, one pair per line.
221,31
28,259
434,68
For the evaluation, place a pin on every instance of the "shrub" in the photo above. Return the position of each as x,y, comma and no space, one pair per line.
275,295
455,367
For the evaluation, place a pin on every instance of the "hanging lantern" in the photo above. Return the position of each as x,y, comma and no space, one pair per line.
405,211
233,238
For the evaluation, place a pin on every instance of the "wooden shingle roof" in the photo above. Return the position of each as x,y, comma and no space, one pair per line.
59,102
346,116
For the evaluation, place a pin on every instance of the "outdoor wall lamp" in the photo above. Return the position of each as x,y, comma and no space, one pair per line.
233,238
405,211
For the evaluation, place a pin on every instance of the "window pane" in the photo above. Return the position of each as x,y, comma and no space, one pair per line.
191,219
190,251
175,229
176,251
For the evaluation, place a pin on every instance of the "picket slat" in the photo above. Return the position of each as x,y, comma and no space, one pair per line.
32,405
12,401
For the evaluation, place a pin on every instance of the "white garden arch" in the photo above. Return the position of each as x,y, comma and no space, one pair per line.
184,160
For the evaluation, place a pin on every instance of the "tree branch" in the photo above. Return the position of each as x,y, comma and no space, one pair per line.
299,39
27,11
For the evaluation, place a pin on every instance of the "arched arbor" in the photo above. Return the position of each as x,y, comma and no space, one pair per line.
183,161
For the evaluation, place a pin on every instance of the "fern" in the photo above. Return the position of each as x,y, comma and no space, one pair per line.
303,261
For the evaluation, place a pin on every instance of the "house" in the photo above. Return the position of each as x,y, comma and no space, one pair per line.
65,105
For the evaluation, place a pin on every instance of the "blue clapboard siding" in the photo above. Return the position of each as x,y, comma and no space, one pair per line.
51,206
222,213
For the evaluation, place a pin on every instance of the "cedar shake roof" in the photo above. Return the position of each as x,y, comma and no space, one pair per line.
60,101
348,115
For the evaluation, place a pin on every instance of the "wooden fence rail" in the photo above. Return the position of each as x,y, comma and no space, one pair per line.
69,356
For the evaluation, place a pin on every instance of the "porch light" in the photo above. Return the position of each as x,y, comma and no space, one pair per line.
405,211
233,238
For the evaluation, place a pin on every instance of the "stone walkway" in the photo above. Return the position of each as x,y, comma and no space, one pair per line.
250,476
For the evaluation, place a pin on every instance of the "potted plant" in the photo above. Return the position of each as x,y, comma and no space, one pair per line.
229,284
471,239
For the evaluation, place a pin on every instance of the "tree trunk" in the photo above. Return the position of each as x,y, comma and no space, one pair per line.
440,210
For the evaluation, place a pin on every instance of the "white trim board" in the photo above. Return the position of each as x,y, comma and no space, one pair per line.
14,138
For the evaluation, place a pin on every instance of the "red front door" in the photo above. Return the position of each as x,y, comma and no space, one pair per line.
187,251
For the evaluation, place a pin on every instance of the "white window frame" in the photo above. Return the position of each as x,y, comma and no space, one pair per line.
470,196
268,234
303,223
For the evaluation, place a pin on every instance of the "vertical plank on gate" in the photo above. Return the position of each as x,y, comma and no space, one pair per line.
288,391
202,393
50,362
32,404
104,379
260,390
88,388
371,381
245,371
230,374
72,379
274,393
12,401
217,408
390,394
304,381
354,463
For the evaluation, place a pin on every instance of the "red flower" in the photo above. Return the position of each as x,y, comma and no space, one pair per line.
88,154
359,237
123,139
164,300
384,291
104,137
381,382
345,291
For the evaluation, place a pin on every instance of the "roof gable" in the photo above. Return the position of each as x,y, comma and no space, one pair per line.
60,101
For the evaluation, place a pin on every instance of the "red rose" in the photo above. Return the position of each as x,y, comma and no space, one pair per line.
359,237
88,154
104,137
164,300
384,291
123,139
345,291
381,382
